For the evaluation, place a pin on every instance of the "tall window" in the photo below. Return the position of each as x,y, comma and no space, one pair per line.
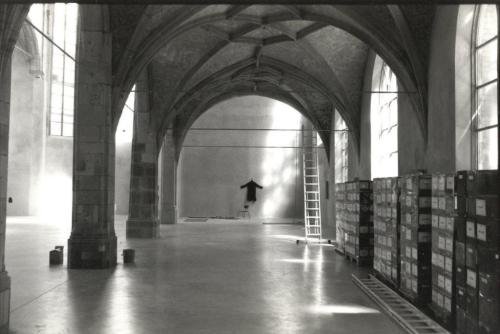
341,147
56,26
384,121
484,115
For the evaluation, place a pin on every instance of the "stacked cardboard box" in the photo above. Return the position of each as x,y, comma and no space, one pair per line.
340,214
386,223
443,229
415,238
478,278
358,222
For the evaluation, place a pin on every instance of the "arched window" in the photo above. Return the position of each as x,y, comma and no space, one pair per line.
341,147
384,121
485,94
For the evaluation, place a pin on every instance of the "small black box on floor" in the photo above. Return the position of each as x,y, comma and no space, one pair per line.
128,256
56,257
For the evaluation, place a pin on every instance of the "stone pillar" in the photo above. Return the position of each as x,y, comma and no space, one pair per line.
92,243
11,20
4,149
142,220
168,184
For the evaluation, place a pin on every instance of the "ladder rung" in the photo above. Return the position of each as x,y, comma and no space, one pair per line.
312,200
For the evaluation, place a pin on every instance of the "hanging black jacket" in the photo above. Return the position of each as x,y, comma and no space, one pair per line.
251,190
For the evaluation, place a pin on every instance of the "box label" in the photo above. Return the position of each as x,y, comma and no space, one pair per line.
450,183
435,203
441,183
441,281
448,264
449,244
440,259
414,253
442,223
441,243
480,207
471,278
481,232
442,203
424,202
471,229
435,221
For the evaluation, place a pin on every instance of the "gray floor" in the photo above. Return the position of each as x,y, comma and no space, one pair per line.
199,277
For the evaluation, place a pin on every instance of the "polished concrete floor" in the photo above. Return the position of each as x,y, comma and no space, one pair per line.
199,277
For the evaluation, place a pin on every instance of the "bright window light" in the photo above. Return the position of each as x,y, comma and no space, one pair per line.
58,22
484,115
342,309
125,129
341,147
384,121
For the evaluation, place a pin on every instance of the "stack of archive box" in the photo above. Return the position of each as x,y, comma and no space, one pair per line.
386,223
340,214
443,229
477,269
358,222
415,238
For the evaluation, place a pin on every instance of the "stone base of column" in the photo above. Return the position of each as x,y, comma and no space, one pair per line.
139,228
91,253
4,302
169,215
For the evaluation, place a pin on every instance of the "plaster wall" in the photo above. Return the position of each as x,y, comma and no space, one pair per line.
210,178
40,166
20,178
122,177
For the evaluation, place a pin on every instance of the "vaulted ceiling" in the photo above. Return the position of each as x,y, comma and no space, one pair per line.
310,56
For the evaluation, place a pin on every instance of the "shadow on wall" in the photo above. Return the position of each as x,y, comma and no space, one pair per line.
216,160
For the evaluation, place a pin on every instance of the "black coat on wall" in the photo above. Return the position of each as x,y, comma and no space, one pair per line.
251,190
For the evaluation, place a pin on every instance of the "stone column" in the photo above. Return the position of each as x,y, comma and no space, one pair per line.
4,149
168,184
92,243
11,20
142,220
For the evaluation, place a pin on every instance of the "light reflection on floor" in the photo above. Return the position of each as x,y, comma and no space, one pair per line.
205,277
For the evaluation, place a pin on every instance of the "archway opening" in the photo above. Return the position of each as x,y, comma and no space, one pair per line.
235,141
